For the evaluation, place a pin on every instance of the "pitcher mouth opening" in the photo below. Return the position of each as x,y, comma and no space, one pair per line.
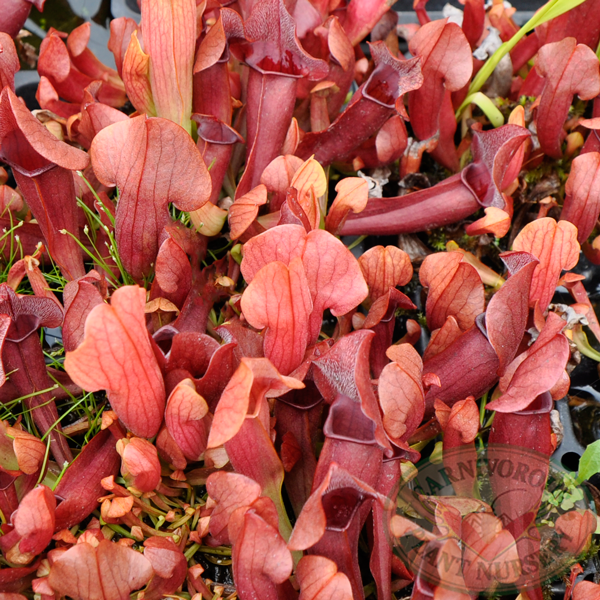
492,521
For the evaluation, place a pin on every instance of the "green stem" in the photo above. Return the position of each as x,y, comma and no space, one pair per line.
191,551
357,241
220,551
484,400
120,530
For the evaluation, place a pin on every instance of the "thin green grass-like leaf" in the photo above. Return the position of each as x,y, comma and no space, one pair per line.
6,411
489,109
89,409
16,249
94,223
98,199
94,218
56,358
181,216
60,476
55,278
549,11
61,417
214,253
52,274
43,473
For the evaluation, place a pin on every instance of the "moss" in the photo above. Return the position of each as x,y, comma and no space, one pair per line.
437,239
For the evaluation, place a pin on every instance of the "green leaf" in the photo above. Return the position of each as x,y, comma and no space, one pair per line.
589,463
581,341
236,253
